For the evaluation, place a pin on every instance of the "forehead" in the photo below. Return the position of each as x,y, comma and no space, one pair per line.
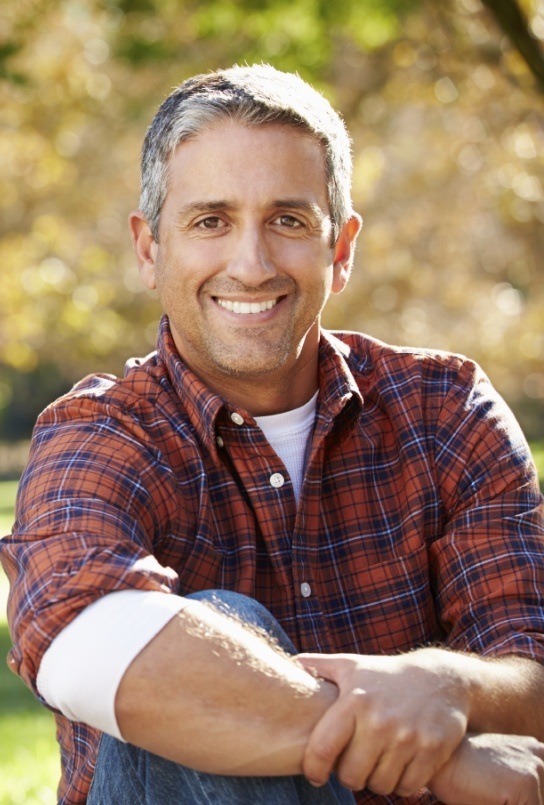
238,159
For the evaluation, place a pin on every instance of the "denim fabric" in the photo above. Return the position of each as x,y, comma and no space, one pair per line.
126,775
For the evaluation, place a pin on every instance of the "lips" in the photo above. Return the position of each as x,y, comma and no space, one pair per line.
246,307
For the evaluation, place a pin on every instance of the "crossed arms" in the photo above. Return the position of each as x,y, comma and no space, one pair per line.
243,707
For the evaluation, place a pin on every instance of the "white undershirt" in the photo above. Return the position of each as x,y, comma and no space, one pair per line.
288,434
81,670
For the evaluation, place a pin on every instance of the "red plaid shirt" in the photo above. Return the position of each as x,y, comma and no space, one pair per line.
420,519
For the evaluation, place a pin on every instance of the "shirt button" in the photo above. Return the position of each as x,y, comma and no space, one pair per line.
277,480
305,589
237,418
219,441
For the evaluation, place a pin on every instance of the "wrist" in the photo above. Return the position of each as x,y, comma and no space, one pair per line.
476,683
458,677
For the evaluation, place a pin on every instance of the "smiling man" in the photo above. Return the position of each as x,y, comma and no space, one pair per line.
259,488
244,260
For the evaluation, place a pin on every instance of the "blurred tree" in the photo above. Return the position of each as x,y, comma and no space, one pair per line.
449,158
511,19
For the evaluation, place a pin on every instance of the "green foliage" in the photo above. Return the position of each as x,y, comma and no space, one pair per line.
23,395
8,491
7,50
537,449
449,172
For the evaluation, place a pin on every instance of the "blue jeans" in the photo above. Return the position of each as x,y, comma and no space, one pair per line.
127,775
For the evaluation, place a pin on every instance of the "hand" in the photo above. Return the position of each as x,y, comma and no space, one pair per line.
396,721
492,770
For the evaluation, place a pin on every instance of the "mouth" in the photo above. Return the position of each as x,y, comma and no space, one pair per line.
246,308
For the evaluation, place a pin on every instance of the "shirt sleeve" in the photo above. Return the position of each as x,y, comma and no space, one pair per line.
81,670
487,560
92,501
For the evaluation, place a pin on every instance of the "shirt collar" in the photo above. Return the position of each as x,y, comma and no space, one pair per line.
200,404
204,408
336,381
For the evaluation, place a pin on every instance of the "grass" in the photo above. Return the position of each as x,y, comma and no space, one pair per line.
29,760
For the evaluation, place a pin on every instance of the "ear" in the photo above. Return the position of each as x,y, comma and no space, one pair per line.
344,249
145,247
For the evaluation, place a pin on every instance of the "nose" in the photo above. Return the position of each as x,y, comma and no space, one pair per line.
250,261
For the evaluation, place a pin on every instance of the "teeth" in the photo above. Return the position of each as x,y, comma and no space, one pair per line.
246,307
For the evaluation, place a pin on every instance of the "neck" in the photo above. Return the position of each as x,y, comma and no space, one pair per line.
269,394
260,392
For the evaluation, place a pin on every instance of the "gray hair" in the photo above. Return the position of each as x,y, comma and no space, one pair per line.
253,95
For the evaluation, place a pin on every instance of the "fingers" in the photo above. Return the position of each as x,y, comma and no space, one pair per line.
376,736
367,764
386,758
330,736
405,765
367,751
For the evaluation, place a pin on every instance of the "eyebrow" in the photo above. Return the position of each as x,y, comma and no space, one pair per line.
203,206
195,207
303,205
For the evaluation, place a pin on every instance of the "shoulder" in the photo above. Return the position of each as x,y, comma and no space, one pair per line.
430,385
376,362
140,386
136,405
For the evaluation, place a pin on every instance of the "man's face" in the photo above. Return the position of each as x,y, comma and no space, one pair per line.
244,262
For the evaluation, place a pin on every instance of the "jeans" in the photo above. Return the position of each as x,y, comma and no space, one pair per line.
127,775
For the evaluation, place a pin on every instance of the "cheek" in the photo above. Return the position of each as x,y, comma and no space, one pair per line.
175,277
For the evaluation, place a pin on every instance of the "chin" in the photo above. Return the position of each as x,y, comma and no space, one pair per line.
247,367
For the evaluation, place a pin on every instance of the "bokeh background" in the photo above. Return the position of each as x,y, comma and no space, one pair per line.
444,101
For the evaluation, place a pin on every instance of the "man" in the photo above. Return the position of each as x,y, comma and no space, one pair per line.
374,507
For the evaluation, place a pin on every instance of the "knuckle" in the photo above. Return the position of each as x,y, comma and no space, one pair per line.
324,753
380,721
433,743
358,701
406,738
437,742
380,786
351,781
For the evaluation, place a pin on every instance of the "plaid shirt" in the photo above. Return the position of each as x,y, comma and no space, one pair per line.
419,519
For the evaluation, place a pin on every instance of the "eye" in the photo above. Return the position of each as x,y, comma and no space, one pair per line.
210,222
289,221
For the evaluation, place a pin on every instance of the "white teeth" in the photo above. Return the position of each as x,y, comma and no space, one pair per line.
246,307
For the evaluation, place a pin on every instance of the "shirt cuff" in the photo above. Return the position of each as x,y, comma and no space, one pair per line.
81,670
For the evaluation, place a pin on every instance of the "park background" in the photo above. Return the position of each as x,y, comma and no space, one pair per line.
444,101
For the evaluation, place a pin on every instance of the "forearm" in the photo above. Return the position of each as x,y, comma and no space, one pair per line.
212,695
510,698
490,769
505,693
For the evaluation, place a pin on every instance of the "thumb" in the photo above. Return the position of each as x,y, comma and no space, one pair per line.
325,666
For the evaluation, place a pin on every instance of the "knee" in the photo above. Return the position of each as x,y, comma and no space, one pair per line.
247,610
233,604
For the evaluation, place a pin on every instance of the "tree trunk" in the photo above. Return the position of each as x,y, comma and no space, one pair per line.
510,18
